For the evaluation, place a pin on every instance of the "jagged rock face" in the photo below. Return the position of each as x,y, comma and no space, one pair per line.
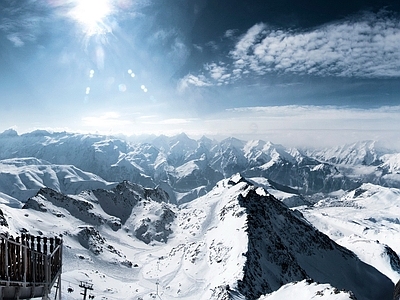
3,221
394,258
157,194
35,205
267,254
120,201
80,208
283,247
396,293
156,229
91,239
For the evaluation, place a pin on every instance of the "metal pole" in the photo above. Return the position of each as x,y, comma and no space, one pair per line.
85,286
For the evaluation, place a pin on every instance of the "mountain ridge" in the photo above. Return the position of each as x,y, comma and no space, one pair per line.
237,239
185,164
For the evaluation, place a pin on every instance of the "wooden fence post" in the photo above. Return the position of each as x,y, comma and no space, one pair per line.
7,277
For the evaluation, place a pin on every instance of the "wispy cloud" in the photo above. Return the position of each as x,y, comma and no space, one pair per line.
366,46
193,81
22,21
174,121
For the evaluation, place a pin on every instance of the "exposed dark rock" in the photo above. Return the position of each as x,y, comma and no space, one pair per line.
156,230
3,221
283,247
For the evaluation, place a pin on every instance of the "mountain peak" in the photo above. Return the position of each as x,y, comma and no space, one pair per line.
283,247
9,133
237,178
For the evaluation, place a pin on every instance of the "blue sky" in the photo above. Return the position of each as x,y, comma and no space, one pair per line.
293,72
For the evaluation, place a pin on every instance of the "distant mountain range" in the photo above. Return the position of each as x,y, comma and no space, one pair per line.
175,217
184,167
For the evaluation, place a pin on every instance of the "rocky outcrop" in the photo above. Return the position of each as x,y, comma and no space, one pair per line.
283,247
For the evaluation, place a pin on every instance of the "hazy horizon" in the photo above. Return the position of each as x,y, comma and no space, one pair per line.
294,73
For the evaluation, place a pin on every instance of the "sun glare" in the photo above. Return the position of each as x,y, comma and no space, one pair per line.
92,14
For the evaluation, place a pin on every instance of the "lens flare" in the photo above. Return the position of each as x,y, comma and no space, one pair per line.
91,15
122,87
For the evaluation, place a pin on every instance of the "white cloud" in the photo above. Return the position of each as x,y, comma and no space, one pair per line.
174,121
230,33
106,121
368,47
311,125
218,72
292,126
248,40
21,25
15,39
192,80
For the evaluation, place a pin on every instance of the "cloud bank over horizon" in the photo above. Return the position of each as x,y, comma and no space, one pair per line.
294,125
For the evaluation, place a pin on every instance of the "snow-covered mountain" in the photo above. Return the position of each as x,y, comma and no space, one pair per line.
235,242
360,153
21,178
364,220
366,161
186,167
183,224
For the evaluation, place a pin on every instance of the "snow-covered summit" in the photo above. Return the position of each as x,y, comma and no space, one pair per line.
359,153
190,167
235,242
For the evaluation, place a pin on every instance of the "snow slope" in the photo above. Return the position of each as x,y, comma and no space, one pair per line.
235,242
22,178
306,290
366,161
366,221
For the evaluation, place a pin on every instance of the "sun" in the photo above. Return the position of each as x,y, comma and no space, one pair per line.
92,15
